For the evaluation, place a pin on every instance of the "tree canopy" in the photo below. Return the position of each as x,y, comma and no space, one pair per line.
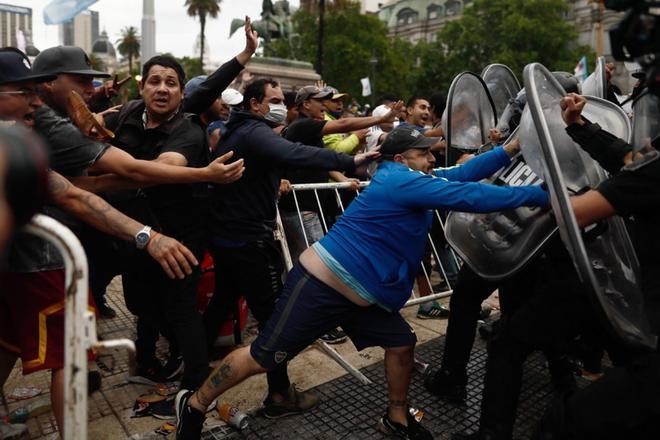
511,32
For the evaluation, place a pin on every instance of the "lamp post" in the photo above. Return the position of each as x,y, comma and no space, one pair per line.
374,62
319,53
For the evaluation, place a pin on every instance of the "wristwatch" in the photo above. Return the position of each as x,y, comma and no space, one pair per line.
142,237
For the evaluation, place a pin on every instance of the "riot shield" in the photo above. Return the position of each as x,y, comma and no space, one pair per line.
602,254
469,114
646,122
596,83
498,244
502,85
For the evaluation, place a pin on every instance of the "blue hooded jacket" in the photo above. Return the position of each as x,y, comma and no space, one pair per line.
381,238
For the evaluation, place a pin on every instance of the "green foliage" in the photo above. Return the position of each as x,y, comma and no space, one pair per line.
129,45
202,9
511,32
192,67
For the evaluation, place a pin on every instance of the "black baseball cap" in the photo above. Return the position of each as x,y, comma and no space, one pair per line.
404,138
311,92
65,59
15,67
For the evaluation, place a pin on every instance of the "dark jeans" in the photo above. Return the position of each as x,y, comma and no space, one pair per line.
552,313
169,307
254,271
465,305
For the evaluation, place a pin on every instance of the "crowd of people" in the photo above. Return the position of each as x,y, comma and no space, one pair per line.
194,167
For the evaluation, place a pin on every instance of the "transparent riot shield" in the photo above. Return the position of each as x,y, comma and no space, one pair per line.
498,244
603,254
502,85
646,122
596,83
470,113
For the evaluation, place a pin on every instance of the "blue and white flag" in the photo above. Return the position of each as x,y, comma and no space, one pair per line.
582,69
59,11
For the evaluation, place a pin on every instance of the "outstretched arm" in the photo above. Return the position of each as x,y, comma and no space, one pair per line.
209,90
175,259
353,124
144,172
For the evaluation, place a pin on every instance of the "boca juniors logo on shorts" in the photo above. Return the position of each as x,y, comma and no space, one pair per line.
280,356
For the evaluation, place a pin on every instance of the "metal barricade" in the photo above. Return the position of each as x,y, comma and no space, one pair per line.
80,324
426,267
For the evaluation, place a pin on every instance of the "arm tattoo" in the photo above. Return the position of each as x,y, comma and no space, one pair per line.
220,377
91,208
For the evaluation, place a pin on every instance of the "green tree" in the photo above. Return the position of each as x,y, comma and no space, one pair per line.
129,45
351,40
192,67
202,9
511,32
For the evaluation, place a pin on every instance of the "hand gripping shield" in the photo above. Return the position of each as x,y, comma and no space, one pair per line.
596,83
602,254
502,85
470,113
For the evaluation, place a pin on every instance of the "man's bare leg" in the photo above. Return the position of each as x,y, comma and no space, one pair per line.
57,397
234,369
399,363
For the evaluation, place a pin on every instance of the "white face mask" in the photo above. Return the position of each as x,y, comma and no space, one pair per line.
276,114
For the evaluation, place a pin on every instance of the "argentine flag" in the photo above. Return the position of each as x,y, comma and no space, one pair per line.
59,11
582,69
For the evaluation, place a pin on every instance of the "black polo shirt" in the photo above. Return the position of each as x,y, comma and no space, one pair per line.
307,131
173,209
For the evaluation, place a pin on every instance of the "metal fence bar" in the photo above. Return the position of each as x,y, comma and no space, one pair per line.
335,187
79,324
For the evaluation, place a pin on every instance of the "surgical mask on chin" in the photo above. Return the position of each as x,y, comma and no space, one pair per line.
276,113
335,115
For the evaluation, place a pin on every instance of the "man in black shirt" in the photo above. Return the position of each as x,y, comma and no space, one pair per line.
247,259
74,73
155,129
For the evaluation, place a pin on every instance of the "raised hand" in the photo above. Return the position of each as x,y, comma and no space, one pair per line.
494,135
251,37
112,88
395,109
571,108
364,158
221,173
175,259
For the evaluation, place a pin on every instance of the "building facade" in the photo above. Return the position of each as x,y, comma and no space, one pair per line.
419,20
15,22
81,31
106,53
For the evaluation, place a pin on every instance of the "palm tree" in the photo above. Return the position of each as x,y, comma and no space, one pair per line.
129,45
97,63
202,8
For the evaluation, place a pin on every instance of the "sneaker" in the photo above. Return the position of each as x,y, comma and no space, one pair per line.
433,310
447,385
172,369
294,403
414,430
334,336
189,421
105,311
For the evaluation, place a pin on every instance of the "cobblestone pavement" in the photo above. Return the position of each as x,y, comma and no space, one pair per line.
349,410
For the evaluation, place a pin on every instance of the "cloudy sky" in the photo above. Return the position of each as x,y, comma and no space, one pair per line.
175,31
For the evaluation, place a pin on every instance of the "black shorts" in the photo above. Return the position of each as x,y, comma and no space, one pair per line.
308,308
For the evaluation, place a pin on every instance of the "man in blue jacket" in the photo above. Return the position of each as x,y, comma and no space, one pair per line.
362,272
